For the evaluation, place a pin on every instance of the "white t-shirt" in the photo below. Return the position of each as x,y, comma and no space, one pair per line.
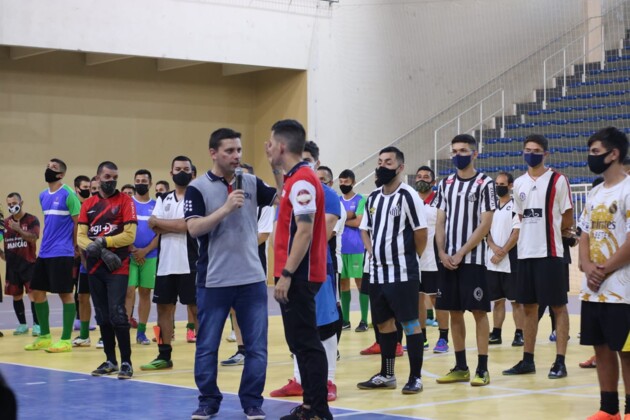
427,261
541,203
504,222
339,227
606,220
173,257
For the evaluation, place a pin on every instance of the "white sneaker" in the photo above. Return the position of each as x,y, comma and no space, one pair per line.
232,337
81,342
236,359
99,344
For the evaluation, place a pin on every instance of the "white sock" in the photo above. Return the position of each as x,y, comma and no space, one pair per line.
296,370
330,345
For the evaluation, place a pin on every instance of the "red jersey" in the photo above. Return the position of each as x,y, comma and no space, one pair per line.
302,194
18,251
107,217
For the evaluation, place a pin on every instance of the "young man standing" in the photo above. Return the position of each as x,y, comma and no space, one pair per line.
398,238
53,267
543,203
465,205
107,227
604,256
501,261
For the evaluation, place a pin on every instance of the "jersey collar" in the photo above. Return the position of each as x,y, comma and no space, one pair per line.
213,178
295,168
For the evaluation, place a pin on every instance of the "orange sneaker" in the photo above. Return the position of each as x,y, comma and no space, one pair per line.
191,337
292,389
590,363
332,391
399,350
602,415
373,349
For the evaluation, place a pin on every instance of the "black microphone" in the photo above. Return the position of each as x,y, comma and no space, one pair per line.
238,173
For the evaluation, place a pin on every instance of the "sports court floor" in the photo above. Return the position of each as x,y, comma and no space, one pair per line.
58,386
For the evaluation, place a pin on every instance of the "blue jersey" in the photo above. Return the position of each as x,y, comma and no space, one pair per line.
144,234
332,206
59,208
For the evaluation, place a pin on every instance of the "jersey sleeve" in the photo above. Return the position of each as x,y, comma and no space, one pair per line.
414,209
194,204
339,226
626,198
518,209
516,222
265,223
366,221
440,201
488,197
265,195
564,194
303,197
73,204
332,203
158,210
360,207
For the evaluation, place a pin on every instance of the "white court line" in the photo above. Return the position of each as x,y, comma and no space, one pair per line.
35,383
76,380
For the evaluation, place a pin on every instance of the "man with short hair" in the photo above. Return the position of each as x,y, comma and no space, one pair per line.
94,187
176,269
398,228
352,250
605,294
107,227
465,202
543,203
161,188
53,267
20,243
143,261
224,221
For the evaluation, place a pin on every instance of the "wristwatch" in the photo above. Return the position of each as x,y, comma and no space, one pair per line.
286,273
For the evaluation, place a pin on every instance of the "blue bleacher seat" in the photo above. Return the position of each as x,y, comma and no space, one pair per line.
548,111
553,136
533,113
515,153
618,92
560,122
555,99
585,95
601,94
491,141
506,139
597,106
571,135
576,120
580,108
565,109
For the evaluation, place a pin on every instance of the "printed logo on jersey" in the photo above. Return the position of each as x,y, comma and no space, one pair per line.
395,211
480,181
372,210
472,197
304,197
522,196
532,213
603,243
449,181
115,210
478,294
105,229
167,208
188,206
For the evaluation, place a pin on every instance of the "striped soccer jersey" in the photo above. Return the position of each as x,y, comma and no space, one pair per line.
541,202
392,220
463,201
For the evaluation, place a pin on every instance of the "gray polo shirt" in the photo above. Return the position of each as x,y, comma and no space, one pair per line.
228,254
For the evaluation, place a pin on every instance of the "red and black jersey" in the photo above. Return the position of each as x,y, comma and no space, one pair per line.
108,217
18,252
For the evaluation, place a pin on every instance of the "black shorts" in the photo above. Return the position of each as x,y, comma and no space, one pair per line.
429,282
542,281
53,275
605,323
394,300
83,285
19,281
365,284
501,285
463,289
169,288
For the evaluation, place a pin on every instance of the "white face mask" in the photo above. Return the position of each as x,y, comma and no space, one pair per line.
310,165
15,209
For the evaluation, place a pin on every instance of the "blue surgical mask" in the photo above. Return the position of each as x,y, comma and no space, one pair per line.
533,159
462,162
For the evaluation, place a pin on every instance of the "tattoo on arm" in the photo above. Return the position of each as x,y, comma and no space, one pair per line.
305,218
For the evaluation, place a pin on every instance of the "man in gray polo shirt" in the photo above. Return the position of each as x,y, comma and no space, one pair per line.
229,273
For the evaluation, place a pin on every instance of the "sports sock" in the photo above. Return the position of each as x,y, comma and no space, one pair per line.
68,320
424,336
444,334
124,343
399,332
18,307
496,332
609,402
109,342
34,312
330,346
364,302
460,360
429,314
560,358
231,322
627,409
415,352
85,330
528,357
388,353
482,363
190,326
76,305
142,327
296,370
339,322
165,352
377,335
43,312
241,350
345,305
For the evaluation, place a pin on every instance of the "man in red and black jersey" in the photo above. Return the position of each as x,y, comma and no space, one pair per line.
107,227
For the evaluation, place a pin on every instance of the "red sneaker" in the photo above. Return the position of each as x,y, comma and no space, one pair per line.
292,389
602,415
373,349
191,337
399,350
332,391
590,363
133,322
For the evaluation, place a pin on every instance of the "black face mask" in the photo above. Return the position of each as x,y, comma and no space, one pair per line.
385,175
108,187
345,188
141,189
182,178
596,163
51,176
84,193
502,190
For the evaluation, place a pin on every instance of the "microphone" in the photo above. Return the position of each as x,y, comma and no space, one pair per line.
238,173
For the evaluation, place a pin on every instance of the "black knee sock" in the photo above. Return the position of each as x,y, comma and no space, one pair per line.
339,326
482,363
560,358
415,352
124,343
76,304
165,352
496,332
444,334
424,337
18,307
109,342
528,357
610,402
627,409
460,360
399,332
34,312
388,353
377,335
241,350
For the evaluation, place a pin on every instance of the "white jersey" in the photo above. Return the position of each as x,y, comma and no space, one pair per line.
173,257
541,203
606,220
504,221
428,261
339,227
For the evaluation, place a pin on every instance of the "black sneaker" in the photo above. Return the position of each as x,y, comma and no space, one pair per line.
204,413
558,370
346,326
521,368
414,386
126,371
362,327
106,368
518,341
495,339
378,381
